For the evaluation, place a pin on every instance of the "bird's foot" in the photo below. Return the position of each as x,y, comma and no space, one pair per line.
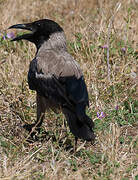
33,131
28,127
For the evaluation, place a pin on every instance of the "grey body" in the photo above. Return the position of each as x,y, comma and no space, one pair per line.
58,80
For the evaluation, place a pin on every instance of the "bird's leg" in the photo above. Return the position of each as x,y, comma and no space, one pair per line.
75,145
41,108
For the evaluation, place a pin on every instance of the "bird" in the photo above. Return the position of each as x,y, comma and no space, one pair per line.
57,78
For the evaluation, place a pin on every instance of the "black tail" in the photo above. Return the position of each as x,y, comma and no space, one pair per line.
80,129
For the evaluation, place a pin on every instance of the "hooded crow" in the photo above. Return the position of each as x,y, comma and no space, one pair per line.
57,78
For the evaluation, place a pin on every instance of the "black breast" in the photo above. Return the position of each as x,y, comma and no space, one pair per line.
31,74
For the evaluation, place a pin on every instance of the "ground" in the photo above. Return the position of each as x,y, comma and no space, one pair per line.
102,36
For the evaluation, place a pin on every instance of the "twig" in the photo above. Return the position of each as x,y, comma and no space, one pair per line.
118,5
108,44
89,25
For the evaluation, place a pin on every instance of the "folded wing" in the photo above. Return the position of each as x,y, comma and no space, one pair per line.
59,79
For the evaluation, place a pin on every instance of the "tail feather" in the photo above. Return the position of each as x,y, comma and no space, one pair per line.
80,129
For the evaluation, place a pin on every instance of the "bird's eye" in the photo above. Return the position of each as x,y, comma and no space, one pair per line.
38,24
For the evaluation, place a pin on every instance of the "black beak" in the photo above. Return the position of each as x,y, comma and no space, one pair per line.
23,26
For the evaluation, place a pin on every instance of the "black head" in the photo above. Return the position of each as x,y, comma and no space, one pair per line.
40,31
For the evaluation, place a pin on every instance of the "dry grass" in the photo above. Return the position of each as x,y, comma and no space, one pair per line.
90,26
